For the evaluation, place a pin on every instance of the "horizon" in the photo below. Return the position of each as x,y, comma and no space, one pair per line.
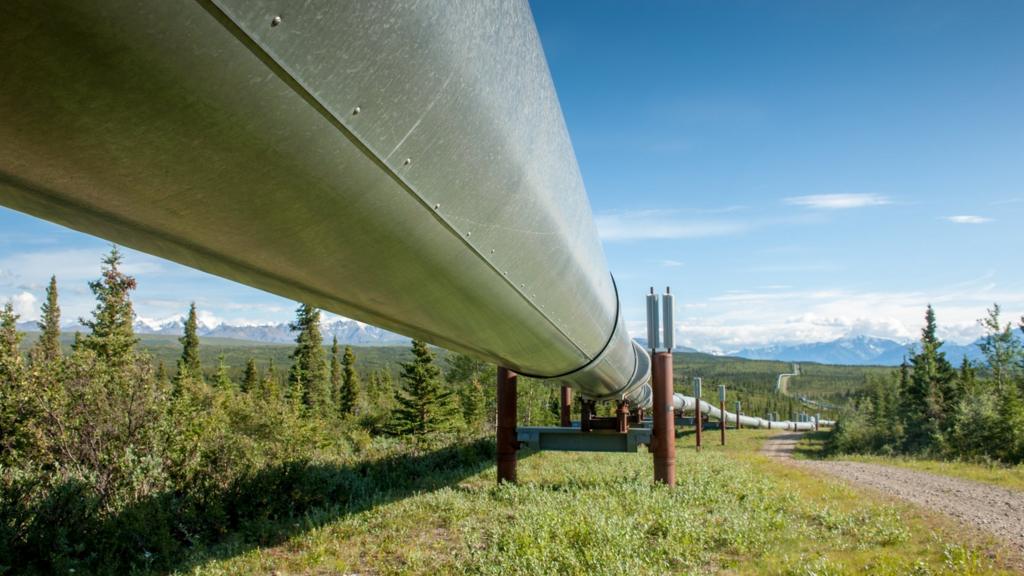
786,195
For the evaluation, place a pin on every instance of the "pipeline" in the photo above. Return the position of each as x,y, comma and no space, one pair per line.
399,162
683,404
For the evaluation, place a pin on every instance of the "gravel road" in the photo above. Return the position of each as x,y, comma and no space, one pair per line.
996,510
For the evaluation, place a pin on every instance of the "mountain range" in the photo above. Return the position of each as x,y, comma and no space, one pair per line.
347,331
850,350
854,350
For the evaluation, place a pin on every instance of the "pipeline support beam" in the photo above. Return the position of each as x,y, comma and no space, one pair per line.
566,407
664,420
508,442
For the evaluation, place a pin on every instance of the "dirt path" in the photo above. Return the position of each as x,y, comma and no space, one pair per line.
996,510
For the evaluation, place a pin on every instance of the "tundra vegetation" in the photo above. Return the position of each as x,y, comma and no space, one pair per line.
179,456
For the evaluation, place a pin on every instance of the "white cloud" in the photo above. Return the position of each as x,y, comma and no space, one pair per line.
661,225
838,201
743,319
671,263
968,219
25,306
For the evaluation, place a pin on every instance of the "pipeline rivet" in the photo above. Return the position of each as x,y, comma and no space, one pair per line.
407,161
468,234
521,285
437,206
356,110
275,21
492,250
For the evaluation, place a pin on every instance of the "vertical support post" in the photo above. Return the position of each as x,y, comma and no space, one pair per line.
739,405
566,406
622,417
698,418
586,412
721,406
817,417
507,442
664,420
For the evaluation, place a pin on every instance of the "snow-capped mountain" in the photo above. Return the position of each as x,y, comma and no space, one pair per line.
347,331
855,350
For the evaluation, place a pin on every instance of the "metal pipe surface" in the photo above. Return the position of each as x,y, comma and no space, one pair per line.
399,162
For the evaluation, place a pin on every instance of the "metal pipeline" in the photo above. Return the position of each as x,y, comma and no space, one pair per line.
683,403
400,162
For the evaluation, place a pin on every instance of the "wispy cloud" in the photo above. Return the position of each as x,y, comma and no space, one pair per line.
661,225
838,201
671,263
968,219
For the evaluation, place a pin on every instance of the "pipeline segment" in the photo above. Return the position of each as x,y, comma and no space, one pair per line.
683,404
400,162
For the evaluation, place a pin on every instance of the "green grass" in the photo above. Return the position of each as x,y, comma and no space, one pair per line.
733,512
1011,477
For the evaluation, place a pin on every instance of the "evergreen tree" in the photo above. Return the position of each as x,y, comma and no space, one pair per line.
223,377
1001,348
423,404
308,377
251,380
931,375
473,403
270,389
189,365
111,335
48,347
161,374
335,372
349,397
11,363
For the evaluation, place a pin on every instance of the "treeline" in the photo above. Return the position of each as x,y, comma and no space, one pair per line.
930,408
111,462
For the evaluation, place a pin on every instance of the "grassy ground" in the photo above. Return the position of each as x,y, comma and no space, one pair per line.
734,512
1011,477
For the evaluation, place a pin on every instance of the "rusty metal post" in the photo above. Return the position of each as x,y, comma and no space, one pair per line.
566,406
722,423
622,417
698,418
586,412
664,420
507,443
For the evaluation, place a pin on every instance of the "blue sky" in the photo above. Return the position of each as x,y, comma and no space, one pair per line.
796,171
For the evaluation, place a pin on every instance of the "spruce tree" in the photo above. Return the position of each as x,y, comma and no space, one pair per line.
931,376
423,404
1001,348
348,399
11,363
111,335
473,403
269,386
223,376
335,372
48,347
308,378
251,380
190,366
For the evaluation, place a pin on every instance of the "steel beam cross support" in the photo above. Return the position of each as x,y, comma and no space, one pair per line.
663,420
508,442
